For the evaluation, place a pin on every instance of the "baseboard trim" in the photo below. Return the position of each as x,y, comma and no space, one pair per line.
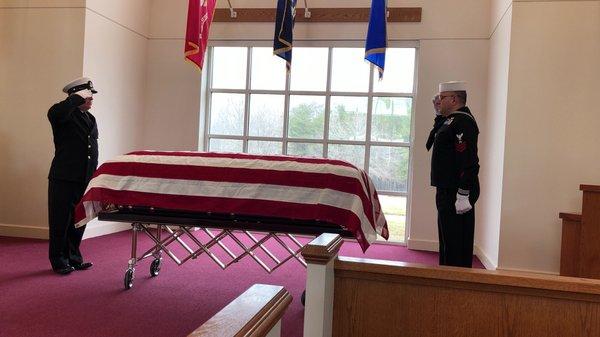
428,245
487,262
20,231
545,272
94,229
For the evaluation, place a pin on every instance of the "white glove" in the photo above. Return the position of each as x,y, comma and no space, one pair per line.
462,204
85,93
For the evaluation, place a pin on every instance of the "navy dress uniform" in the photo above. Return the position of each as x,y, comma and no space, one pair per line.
454,173
75,136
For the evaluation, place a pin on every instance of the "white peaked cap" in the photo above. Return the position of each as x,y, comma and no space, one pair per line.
79,84
453,86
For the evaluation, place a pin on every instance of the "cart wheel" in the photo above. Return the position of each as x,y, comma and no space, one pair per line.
155,267
128,279
303,297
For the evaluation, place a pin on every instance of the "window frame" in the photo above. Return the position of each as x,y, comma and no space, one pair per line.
207,91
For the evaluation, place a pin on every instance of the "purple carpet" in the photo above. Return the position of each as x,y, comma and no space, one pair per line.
36,302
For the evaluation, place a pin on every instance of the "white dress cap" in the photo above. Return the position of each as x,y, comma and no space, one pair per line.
79,84
453,86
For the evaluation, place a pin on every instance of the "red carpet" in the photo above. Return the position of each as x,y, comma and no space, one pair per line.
36,302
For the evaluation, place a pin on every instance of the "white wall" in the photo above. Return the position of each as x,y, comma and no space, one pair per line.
452,47
491,142
43,45
552,125
41,49
115,57
441,60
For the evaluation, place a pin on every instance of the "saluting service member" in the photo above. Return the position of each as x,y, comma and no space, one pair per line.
75,159
454,172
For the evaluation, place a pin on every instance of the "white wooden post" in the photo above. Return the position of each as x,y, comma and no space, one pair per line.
320,255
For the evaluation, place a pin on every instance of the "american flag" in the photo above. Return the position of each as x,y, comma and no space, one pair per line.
288,187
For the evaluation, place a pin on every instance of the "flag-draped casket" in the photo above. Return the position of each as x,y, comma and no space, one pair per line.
295,188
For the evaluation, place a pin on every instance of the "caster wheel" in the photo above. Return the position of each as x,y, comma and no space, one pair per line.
128,279
303,297
155,267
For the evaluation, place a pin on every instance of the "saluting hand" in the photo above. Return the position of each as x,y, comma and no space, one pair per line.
85,93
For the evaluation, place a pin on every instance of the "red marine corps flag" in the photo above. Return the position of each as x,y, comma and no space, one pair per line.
200,15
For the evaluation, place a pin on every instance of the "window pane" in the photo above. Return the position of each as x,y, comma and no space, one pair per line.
399,71
225,145
391,119
354,154
229,67
348,118
305,149
349,70
307,117
266,115
227,114
264,147
268,71
394,208
388,167
309,69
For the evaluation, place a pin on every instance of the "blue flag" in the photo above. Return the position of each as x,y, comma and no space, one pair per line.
377,35
284,25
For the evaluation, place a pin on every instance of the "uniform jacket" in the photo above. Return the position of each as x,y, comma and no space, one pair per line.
454,161
75,141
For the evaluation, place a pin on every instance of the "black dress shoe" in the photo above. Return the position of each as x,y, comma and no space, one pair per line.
64,270
82,266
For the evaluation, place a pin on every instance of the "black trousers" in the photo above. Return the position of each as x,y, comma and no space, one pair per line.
65,239
455,231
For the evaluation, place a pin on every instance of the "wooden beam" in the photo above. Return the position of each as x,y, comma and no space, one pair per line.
407,14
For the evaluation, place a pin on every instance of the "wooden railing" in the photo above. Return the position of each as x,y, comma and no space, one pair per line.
256,312
389,298
580,246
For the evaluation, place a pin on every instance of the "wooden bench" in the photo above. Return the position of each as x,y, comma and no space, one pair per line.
580,251
256,312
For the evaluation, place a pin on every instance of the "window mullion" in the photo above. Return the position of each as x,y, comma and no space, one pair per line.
327,104
369,117
286,110
247,100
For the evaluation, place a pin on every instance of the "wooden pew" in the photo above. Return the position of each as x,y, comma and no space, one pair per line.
580,248
388,298
256,312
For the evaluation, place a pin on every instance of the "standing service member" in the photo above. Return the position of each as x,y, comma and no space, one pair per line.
454,173
75,159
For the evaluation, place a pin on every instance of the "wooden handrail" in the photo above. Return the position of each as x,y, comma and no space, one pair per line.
254,313
589,188
570,216
368,268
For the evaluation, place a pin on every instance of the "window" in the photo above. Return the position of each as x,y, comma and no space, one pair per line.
331,105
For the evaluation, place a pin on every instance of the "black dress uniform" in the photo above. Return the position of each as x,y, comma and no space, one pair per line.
454,168
75,160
